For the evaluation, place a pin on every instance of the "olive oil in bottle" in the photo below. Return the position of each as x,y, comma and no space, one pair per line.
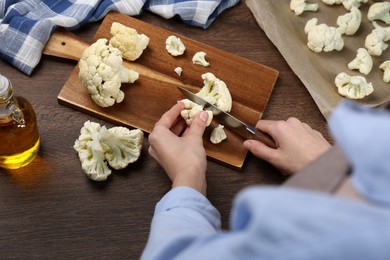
19,137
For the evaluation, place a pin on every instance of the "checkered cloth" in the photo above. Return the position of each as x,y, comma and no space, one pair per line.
26,26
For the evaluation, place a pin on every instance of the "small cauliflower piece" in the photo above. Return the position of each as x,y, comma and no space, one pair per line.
353,87
323,37
98,145
128,41
376,41
191,110
218,135
178,70
363,62
102,73
215,92
385,66
174,46
379,11
300,6
332,2
348,4
350,22
199,58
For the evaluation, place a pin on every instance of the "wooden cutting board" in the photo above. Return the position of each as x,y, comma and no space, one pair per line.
155,91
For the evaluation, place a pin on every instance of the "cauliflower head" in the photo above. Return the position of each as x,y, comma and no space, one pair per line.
128,41
323,37
215,92
96,146
363,62
191,110
350,22
353,87
102,73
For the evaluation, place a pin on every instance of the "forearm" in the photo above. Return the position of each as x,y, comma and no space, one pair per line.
194,181
180,217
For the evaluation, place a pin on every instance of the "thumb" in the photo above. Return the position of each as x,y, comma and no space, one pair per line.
198,125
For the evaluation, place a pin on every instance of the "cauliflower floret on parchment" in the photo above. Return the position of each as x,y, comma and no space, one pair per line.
322,37
353,87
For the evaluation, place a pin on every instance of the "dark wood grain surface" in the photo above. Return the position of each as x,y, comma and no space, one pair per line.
49,209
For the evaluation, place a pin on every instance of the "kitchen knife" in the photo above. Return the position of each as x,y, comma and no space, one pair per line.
234,124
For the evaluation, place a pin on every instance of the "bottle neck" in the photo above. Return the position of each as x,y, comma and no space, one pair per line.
9,110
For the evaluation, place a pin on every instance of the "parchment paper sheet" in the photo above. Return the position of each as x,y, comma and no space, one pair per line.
317,71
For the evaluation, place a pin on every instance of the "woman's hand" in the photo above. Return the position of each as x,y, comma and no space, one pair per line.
178,148
297,144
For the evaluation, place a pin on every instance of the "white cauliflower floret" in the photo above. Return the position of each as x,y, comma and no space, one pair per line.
385,66
191,110
215,92
376,40
379,11
323,37
174,46
353,87
178,70
350,22
218,135
199,58
363,62
98,145
128,41
348,4
332,2
300,6
102,73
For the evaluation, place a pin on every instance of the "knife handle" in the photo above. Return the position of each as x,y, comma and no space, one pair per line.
265,138
262,137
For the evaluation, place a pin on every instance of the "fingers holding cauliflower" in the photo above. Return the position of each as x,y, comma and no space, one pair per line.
191,110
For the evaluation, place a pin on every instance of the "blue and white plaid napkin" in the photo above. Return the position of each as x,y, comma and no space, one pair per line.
26,26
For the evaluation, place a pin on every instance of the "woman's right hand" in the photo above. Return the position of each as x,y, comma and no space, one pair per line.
297,144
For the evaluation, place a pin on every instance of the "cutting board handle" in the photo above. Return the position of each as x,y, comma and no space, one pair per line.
65,44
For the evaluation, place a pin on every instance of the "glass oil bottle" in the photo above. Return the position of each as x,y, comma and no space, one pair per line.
19,137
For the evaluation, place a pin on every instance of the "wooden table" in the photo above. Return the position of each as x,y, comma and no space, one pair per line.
49,209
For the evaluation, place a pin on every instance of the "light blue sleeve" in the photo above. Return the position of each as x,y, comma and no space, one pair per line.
181,217
363,134
268,223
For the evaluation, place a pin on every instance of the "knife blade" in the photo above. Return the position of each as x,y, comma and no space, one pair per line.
244,130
